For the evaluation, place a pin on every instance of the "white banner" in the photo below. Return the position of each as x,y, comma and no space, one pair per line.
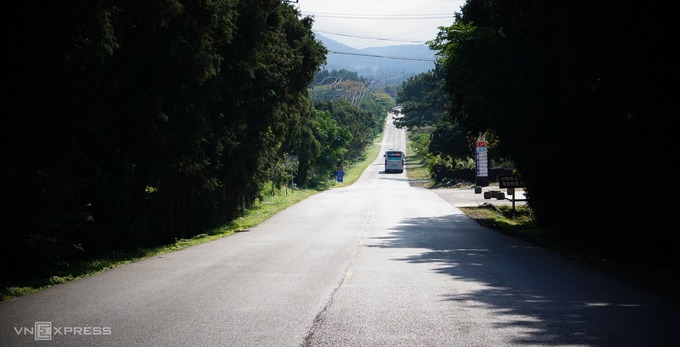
482,159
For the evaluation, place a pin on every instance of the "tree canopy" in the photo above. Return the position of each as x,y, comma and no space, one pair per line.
128,124
577,95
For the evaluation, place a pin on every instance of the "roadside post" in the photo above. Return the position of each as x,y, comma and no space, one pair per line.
482,166
511,182
340,173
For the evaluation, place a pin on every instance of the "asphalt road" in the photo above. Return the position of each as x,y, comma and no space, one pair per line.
379,263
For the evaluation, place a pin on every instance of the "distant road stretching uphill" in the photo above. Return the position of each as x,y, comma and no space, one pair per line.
379,263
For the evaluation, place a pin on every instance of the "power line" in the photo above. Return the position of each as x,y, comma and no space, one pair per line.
405,1
367,37
371,16
382,56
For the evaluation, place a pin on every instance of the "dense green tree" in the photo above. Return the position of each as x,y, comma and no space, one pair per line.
424,105
323,145
379,104
576,94
360,123
274,76
357,114
134,123
422,99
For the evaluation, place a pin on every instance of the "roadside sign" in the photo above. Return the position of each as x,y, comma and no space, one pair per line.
482,156
510,181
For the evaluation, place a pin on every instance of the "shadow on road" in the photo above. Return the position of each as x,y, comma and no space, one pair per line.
558,301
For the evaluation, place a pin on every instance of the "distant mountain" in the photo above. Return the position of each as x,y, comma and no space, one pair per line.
389,62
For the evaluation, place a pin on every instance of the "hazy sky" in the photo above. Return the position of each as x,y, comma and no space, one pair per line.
385,22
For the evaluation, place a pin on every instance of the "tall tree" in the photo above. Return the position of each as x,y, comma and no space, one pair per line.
422,99
575,93
323,145
134,123
360,123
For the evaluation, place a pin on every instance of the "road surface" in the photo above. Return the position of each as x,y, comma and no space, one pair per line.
378,263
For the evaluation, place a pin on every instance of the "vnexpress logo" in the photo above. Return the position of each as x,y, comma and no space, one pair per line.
43,331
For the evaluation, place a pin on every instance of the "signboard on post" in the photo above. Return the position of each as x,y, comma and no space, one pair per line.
482,160
510,181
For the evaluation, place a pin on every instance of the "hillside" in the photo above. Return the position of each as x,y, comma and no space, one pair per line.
395,63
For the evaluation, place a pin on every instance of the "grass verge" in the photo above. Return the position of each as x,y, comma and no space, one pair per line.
354,171
521,224
261,210
416,170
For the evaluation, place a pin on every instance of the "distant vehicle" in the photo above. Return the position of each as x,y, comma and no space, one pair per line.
395,160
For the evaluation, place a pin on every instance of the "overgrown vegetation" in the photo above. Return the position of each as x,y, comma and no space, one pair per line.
522,224
272,202
416,170
257,213
573,97
130,125
138,124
